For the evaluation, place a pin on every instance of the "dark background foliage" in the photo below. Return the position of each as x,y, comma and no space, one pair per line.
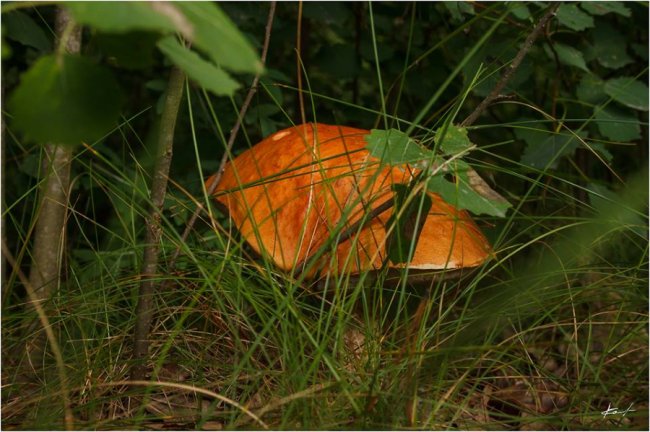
338,58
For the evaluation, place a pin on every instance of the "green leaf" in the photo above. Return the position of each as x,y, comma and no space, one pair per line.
544,148
568,56
6,49
605,7
203,72
261,114
602,151
591,90
217,36
570,16
122,17
629,92
65,100
609,47
395,147
21,27
458,9
31,165
455,187
157,85
520,11
268,126
455,140
203,23
641,50
275,93
617,125
408,226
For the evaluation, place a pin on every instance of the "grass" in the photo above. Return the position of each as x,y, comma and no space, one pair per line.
536,339
546,335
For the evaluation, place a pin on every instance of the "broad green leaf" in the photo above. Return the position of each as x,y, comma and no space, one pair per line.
520,11
123,17
395,147
609,47
216,35
277,75
6,49
455,187
157,85
31,165
455,140
261,114
568,56
274,91
629,92
641,50
65,100
21,27
268,126
570,16
605,7
408,226
458,9
544,148
602,151
617,125
591,90
209,29
202,71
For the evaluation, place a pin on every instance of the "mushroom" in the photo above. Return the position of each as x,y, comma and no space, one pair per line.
307,187
313,199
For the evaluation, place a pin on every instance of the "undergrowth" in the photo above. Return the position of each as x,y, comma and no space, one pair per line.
547,334
535,338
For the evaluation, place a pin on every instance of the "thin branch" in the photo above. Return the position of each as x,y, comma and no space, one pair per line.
48,250
231,139
145,308
510,70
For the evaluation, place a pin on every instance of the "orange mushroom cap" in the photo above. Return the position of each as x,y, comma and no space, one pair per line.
292,192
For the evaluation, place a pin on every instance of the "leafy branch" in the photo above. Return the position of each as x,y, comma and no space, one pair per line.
514,65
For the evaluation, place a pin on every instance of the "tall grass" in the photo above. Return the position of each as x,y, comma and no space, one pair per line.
545,335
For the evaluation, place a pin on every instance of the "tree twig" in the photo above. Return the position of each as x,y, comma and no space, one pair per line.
145,308
510,70
50,226
231,138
